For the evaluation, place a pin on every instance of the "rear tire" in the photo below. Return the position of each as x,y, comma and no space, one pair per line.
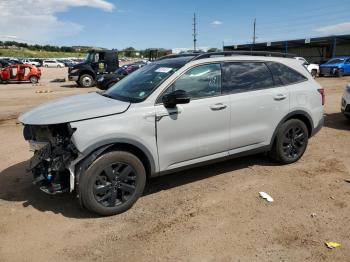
290,142
113,183
347,117
34,79
86,80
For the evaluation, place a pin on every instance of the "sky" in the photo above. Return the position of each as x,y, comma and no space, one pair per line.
168,24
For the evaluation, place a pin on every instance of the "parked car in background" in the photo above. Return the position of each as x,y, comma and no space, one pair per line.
314,69
336,67
30,62
345,102
52,63
66,62
4,63
173,114
105,81
20,72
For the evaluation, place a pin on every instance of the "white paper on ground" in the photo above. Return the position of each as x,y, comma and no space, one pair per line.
266,196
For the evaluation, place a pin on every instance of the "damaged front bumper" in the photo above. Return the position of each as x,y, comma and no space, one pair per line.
54,159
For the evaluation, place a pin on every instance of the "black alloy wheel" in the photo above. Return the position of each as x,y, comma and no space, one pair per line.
293,142
290,142
115,184
112,183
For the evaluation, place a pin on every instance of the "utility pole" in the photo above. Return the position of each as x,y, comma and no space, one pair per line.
254,35
194,33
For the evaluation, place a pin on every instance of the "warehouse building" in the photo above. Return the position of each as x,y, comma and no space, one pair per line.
316,50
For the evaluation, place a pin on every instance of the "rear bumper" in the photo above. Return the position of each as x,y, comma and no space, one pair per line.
318,127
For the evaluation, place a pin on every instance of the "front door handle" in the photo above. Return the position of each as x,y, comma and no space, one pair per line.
280,97
218,106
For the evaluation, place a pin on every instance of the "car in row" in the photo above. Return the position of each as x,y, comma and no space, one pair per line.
173,114
105,81
339,67
20,73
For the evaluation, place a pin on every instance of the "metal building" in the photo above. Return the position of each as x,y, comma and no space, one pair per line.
316,50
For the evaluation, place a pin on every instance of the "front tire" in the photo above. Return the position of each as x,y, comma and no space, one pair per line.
314,73
290,142
113,183
86,81
340,73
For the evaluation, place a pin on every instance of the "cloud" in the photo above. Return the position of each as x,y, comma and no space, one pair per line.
36,20
216,23
334,29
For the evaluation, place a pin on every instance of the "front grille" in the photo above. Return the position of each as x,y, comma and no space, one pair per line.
325,70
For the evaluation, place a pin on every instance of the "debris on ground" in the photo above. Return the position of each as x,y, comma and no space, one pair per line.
58,80
266,196
313,215
347,180
43,91
332,245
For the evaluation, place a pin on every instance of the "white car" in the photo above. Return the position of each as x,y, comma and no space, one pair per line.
314,69
53,63
176,113
30,62
345,102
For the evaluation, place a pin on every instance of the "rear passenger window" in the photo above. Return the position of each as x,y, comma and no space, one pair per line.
245,76
283,75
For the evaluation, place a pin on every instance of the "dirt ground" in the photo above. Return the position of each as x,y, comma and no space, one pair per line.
211,213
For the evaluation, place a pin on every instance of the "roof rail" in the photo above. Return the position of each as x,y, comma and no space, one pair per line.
237,53
178,55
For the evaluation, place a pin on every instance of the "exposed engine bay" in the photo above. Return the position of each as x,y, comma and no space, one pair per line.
53,154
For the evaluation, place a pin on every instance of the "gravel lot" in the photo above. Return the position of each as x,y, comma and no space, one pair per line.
211,213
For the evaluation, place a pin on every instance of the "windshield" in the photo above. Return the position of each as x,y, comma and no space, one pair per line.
139,85
336,61
88,57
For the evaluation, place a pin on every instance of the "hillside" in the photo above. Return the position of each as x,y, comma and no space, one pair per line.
42,54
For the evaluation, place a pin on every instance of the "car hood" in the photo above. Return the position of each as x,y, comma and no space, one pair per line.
330,65
74,108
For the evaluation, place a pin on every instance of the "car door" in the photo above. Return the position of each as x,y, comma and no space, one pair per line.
197,131
256,105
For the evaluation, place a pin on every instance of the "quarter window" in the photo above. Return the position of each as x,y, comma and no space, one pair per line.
245,76
201,81
283,75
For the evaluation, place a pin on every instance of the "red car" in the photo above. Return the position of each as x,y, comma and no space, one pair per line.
20,72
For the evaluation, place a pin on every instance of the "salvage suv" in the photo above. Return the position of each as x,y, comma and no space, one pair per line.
175,113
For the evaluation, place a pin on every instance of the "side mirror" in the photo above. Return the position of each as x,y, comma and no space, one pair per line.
176,97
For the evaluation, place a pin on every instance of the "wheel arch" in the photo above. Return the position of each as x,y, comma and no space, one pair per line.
133,147
298,114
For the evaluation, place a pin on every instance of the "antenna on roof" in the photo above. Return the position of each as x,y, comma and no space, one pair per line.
254,35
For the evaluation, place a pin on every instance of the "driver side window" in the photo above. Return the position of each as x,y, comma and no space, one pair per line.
199,82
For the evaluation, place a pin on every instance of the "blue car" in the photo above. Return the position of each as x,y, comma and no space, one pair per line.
336,67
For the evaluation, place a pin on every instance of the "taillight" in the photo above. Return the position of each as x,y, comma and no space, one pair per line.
323,95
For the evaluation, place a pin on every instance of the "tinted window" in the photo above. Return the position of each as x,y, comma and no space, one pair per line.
283,75
201,81
245,76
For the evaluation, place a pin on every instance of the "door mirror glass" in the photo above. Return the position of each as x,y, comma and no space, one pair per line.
176,97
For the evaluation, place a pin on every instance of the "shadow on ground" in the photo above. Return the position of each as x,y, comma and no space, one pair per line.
16,185
337,121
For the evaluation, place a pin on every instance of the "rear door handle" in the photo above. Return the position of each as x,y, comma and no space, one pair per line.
218,106
280,97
